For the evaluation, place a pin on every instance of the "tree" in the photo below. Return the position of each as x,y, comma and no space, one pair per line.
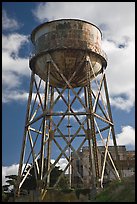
30,182
5,197
8,189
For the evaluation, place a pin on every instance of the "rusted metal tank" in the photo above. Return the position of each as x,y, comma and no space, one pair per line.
68,41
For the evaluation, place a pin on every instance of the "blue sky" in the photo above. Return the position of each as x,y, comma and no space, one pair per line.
117,22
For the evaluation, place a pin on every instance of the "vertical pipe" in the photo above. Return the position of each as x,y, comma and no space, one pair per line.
69,137
113,131
25,134
50,138
44,122
91,155
92,137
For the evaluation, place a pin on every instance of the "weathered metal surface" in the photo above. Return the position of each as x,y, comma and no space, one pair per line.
68,41
49,125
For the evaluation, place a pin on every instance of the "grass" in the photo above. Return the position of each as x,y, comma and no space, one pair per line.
123,191
116,191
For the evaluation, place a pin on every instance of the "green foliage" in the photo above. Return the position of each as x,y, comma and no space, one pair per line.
82,191
55,173
31,184
5,196
5,187
11,182
123,191
60,196
7,191
12,177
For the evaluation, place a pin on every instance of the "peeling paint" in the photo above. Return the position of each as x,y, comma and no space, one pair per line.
68,41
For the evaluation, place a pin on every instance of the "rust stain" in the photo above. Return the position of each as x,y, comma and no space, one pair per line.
67,41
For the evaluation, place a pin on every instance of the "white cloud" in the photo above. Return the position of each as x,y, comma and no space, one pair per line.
117,22
15,41
121,74
9,23
14,67
125,103
11,62
13,169
125,137
10,80
19,95
100,13
121,68
9,170
14,96
62,163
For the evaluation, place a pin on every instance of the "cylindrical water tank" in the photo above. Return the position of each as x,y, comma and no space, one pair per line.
68,41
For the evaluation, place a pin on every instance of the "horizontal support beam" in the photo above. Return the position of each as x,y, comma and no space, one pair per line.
79,135
68,113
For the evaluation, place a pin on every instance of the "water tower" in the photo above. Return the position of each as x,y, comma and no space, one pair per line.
68,106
